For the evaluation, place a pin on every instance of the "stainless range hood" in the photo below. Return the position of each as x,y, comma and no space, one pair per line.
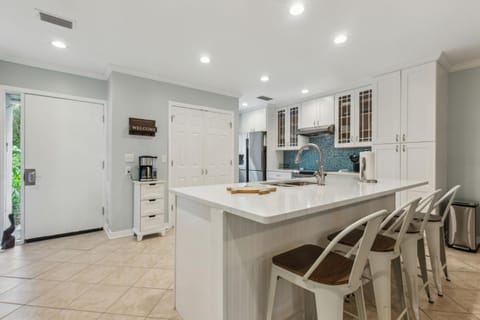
316,130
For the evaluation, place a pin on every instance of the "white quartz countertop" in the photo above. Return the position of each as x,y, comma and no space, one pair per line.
293,202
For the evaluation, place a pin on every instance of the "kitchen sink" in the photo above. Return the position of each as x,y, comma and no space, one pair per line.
290,183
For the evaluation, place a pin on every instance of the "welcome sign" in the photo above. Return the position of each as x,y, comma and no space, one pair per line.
141,127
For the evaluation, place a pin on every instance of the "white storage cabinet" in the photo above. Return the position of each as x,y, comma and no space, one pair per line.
148,208
287,125
353,118
317,113
252,121
279,175
409,121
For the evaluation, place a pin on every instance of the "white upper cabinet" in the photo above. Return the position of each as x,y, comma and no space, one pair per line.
253,121
287,125
317,113
386,109
353,118
419,103
405,106
309,114
326,111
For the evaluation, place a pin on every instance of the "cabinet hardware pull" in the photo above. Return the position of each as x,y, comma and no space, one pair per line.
403,148
396,148
404,137
152,200
206,171
203,172
152,184
152,216
396,138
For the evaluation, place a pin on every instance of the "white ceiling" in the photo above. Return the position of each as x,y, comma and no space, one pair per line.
245,38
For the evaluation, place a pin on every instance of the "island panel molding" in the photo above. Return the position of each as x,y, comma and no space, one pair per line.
225,243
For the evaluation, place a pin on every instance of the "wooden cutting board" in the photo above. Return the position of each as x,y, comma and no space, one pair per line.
252,189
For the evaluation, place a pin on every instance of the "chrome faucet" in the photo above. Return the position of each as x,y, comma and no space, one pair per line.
319,173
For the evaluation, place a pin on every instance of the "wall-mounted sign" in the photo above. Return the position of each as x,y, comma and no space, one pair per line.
141,127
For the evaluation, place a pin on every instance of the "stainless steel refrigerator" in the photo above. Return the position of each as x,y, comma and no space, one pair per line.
252,157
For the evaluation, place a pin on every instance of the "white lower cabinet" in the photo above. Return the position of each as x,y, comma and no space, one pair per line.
148,208
408,161
278,175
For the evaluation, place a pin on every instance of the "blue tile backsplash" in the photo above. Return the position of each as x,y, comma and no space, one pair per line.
335,158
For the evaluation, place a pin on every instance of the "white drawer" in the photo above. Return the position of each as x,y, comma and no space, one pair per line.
151,222
279,175
152,190
152,206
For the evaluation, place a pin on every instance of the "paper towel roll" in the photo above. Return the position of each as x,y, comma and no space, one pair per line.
367,166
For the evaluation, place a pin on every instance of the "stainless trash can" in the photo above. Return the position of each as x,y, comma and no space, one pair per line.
464,225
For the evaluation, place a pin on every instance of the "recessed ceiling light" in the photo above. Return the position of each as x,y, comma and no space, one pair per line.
297,9
244,104
340,38
205,59
59,44
265,78
305,91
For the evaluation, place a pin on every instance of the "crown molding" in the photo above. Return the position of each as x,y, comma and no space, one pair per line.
52,67
151,76
475,63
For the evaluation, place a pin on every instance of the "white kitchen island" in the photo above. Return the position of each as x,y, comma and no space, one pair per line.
225,243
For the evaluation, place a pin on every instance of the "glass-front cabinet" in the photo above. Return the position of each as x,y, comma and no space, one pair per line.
287,126
353,118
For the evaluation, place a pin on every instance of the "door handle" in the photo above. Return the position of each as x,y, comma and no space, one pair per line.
30,177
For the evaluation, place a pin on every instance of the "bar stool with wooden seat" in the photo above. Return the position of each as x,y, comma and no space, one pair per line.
385,252
435,235
409,251
330,276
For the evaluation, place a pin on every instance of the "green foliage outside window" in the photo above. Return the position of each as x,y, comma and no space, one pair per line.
16,164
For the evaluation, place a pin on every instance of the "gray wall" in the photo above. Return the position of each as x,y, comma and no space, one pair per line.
464,132
137,97
18,75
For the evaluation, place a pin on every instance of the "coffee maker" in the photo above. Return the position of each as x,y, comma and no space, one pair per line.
147,168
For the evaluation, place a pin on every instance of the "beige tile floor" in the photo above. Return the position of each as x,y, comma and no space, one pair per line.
91,277
88,277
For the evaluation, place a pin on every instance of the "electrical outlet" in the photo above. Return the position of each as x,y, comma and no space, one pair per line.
128,170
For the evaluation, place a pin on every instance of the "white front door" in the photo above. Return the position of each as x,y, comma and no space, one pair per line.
64,144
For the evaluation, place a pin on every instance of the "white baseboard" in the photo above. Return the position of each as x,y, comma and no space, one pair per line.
117,234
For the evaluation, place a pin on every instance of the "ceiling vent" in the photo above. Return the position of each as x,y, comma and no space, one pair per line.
264,98
61,22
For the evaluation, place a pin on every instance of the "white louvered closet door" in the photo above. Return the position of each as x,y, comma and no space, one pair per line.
186,160
201,150
218,150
